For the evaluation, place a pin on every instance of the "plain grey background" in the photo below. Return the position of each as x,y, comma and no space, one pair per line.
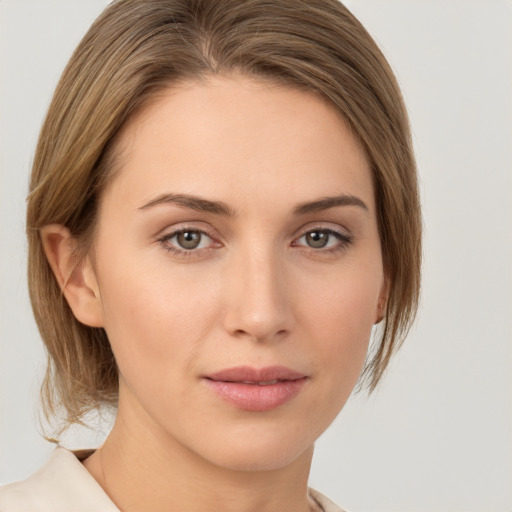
437,434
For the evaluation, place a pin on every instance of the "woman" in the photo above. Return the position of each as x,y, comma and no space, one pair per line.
223,204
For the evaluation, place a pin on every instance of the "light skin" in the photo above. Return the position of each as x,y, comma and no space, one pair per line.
240,229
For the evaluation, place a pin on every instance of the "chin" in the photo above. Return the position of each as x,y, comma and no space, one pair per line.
269,459
258,451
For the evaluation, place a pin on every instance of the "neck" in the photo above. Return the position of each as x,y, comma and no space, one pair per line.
142,468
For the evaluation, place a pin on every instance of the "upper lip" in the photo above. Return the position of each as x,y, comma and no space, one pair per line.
249,374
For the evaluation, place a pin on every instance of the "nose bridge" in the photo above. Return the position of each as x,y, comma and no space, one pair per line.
258,305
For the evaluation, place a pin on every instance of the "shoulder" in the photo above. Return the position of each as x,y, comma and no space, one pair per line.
61,485
324,502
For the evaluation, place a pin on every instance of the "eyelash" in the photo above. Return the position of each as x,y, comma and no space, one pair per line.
343,239
184,253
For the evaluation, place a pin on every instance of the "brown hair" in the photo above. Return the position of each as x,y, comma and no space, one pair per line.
139,47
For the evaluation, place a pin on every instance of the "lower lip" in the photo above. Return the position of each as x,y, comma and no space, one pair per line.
253,397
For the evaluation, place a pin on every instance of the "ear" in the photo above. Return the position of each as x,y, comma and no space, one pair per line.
76,279
383,300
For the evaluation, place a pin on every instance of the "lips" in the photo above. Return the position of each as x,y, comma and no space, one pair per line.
256,389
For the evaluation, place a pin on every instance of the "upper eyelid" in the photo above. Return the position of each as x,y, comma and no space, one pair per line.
180,228
328,230
324,226
341,237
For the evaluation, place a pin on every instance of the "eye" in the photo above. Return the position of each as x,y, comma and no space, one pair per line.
189,239
323,238
186,240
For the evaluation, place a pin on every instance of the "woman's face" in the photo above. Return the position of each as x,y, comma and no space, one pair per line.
238,269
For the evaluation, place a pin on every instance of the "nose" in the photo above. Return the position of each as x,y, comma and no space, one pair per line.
257,303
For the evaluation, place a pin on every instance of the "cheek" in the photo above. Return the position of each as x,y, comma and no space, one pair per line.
344,336
155,319
345,302
341,320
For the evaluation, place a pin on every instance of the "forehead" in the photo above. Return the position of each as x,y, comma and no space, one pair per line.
237,137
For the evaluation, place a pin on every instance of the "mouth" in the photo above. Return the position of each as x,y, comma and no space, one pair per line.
256,389
261,383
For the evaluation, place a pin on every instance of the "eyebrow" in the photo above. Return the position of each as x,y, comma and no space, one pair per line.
325,203
201,204
192,202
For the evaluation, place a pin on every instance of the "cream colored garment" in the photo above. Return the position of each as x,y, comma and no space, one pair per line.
64,485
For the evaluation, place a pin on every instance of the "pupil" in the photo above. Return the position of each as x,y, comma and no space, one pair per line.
317,239
189,239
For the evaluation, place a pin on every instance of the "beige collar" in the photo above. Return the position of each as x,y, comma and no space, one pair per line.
63,484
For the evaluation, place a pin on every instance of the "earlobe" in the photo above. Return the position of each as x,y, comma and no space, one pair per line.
383,301
381,313
76,279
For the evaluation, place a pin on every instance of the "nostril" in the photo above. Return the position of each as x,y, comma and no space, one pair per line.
262,335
